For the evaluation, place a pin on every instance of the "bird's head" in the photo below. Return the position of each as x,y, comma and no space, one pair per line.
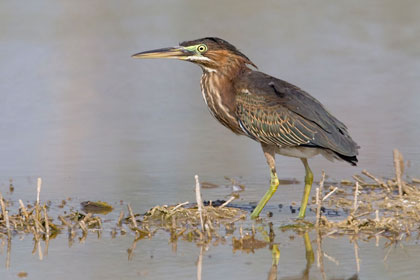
210,53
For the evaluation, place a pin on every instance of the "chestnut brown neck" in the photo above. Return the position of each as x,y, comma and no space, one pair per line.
219,93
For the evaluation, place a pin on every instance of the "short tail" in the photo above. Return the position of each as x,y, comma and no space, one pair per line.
350,159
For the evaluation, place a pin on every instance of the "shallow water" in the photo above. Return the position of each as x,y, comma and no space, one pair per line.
96,124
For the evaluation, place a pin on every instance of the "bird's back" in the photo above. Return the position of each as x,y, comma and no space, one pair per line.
276,112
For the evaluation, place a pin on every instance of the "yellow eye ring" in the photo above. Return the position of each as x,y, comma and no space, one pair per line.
202,48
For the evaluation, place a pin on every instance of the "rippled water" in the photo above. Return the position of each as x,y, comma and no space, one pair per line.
96,124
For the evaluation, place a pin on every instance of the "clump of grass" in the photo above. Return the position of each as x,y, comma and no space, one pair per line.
379,207
35,220
196,222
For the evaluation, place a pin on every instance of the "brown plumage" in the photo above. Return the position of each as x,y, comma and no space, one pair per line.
282,117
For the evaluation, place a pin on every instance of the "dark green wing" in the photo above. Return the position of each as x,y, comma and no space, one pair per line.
275,112
264,120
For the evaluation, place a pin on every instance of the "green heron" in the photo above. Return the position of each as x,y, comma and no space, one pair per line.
282,117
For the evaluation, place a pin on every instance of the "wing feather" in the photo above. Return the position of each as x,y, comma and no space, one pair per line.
275,112
270,124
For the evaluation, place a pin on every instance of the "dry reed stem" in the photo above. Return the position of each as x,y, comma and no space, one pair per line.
377,180
22,206
38,189
64,221
6,216
232,198
47,228
318,207
356,193
180,205
398,171
120,218
3,207
330,193
133,219
47,225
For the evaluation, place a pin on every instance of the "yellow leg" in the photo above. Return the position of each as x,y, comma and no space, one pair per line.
309,178
273,187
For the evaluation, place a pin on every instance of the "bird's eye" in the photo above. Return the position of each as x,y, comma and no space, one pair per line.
202,48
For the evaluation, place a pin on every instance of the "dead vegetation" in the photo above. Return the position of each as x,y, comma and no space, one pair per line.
374,206
192,222
369,207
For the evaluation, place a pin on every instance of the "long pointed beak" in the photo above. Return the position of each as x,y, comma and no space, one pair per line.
174,52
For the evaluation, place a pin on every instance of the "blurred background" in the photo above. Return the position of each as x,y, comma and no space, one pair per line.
78,111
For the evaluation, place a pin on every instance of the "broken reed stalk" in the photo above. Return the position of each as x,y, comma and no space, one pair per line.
399,170
318,207
377,180
330,193
6,216
47,230
3,207
232,198
180,205
23,208
38,189
47,225
356,192
133,219
64,222
398,173
199,201
120,218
